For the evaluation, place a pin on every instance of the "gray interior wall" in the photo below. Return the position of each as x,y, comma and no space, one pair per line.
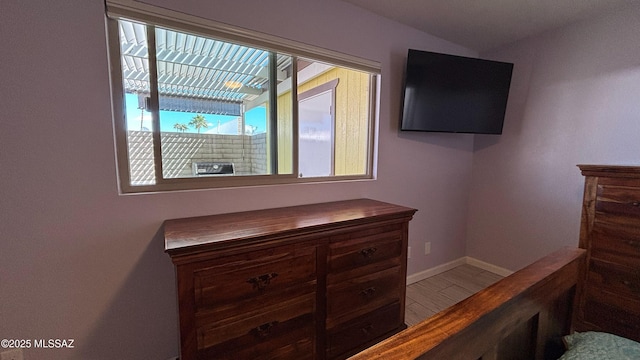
574,100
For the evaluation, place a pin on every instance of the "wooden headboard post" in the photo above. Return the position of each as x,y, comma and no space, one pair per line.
609,295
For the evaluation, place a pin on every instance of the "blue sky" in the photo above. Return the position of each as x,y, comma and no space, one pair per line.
254,117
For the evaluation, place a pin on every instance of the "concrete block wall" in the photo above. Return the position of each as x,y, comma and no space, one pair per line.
181,150
258,152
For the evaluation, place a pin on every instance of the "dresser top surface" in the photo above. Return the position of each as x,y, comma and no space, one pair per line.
187,234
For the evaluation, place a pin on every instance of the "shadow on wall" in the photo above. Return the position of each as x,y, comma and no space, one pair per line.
517,102
462,142
141,322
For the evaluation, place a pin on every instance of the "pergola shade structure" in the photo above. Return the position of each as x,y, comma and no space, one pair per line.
196,74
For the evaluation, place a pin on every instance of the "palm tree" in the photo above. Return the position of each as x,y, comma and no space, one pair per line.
198,122
180,127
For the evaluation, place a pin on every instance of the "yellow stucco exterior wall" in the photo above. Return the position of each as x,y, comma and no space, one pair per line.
351,121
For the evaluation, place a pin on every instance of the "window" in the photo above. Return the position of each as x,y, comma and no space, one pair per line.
194,108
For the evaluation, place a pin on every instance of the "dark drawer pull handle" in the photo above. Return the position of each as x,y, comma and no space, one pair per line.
264,330
261,282
368,292
635,244
368,253
367,329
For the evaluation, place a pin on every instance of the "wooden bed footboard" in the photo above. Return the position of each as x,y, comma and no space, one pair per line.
523,316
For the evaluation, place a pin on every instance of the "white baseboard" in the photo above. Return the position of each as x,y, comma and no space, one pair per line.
488,267
413,278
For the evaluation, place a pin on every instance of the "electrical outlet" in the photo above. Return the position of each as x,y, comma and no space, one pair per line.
427,248
15,354
409,252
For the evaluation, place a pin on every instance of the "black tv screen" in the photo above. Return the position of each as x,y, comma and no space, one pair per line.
448,93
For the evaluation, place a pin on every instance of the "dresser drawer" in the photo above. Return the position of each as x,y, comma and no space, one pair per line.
356,250
363,330
355,297
615,243
608,313
621,280
251,329
293,339
253,279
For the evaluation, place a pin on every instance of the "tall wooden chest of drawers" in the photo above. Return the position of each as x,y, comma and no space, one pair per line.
320,281
610,232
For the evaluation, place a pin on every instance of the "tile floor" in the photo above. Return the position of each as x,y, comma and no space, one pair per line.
427,297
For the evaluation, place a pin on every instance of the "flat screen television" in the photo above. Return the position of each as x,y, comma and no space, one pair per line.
455,94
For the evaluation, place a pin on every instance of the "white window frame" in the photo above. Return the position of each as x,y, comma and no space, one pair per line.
136,11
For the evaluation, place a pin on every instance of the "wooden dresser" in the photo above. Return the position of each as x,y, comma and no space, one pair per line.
610,231
320,281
